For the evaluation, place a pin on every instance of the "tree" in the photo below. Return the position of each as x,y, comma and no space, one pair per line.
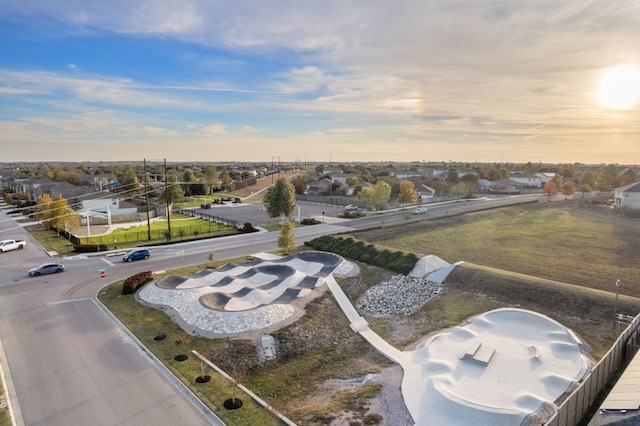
568,189
175,193
380,195
364,194
606,179
227,181
584,188
452,175
212,179
471,179
127,180
286,239
63,216
408,192
460,189
188,177
588,179
43,209
557,179
550,189
280,199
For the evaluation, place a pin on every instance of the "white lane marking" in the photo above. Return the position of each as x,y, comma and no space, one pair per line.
107,261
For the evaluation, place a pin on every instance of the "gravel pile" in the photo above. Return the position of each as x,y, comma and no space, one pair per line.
400,295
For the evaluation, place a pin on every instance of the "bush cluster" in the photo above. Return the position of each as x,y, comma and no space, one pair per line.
351,215
309,221
246,228
396,261
134,282
90,248
223,200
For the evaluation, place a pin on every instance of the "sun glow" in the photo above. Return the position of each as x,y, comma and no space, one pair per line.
620,87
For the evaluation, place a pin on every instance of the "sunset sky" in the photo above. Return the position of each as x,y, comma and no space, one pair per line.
416,80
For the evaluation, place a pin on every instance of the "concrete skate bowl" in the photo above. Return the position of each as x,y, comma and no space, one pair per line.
506,366
258,290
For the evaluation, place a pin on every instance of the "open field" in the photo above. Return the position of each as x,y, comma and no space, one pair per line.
543,257
556,241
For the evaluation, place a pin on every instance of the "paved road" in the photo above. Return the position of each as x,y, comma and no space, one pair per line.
66,360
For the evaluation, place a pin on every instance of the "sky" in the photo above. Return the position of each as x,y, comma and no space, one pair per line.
326,81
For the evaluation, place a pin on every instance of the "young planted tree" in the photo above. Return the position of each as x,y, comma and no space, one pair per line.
550,190
286,239
568,189
280,199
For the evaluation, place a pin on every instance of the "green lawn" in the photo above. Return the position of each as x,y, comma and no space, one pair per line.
183,228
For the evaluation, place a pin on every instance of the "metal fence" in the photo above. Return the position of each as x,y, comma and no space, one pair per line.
573,409
207,216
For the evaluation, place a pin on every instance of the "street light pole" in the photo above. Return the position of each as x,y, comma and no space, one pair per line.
615,318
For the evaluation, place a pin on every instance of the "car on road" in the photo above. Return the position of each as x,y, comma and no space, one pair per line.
136,254
205,206
351,208
46,268
420,210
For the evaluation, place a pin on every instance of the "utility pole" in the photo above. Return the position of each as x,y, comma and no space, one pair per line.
166,192
146,197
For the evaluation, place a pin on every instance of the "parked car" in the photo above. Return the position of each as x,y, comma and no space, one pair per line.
420,210
136,254
8,245
205,206
46,268
351,208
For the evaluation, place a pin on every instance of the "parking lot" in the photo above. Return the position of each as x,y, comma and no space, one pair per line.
256,214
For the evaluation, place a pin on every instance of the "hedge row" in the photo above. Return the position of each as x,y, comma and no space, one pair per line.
90,248
134,282
396,261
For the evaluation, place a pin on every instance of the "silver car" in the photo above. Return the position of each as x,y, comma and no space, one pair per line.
46,268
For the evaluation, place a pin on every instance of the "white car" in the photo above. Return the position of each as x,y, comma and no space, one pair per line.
351,208
420,210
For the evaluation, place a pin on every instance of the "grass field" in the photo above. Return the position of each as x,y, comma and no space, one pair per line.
182,228
559,242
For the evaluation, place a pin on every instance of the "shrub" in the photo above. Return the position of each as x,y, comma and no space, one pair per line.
395,261
309,221
136,281
247,227
90,248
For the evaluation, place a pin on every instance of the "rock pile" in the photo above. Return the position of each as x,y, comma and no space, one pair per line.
400,295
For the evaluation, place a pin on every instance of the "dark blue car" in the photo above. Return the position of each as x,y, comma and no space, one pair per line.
136,254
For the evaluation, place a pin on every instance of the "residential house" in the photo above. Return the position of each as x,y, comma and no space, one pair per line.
319,187
527,181
353,189
627,196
